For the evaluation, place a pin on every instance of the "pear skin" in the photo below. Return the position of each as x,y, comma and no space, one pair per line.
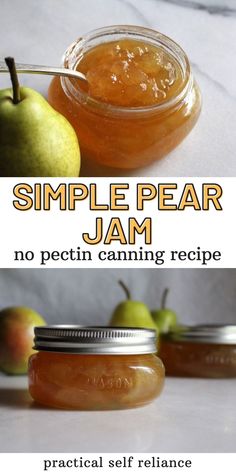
16,338
131,313
35,140
164,318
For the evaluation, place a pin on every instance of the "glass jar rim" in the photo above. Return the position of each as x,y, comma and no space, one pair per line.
70,60
95,339
204,334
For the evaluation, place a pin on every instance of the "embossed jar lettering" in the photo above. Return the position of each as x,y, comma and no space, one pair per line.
98,368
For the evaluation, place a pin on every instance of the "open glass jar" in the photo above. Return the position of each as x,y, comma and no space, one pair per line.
200,351
128,136
94,368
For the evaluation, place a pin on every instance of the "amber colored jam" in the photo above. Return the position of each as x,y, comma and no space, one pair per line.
94,382
191,359
139,103
130,73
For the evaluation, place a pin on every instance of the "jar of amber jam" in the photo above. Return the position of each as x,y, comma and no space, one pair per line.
140,100
94,368
200,351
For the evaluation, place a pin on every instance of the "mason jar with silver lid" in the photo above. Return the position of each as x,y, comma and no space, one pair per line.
200,351
95,368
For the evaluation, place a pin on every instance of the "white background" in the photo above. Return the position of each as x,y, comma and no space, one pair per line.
203,462
172,230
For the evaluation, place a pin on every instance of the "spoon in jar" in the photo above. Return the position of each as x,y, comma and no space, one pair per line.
45,70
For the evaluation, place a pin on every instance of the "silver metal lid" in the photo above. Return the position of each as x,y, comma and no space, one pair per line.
212,334
95,340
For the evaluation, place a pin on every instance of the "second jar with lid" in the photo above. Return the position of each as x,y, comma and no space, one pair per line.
200,351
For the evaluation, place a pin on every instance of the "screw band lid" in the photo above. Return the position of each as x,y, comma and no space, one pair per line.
95,340
204,333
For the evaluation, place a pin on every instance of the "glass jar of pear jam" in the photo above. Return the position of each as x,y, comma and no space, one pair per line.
200,351
94,368
140,100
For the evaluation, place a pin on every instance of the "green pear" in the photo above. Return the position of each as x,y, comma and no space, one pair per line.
35,140
131,313
165,319
16,338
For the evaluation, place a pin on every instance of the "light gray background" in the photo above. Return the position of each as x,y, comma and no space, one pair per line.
39,32
89,296
192,415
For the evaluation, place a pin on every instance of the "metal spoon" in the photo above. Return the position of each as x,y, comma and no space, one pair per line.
45,70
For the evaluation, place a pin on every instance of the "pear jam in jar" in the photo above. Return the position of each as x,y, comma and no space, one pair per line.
200,351
140,99
95,368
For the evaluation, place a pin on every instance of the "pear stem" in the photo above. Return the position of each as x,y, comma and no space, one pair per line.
125,288
164,298
14,79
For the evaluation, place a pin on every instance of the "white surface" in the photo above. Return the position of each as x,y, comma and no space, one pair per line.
190,416
39,32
